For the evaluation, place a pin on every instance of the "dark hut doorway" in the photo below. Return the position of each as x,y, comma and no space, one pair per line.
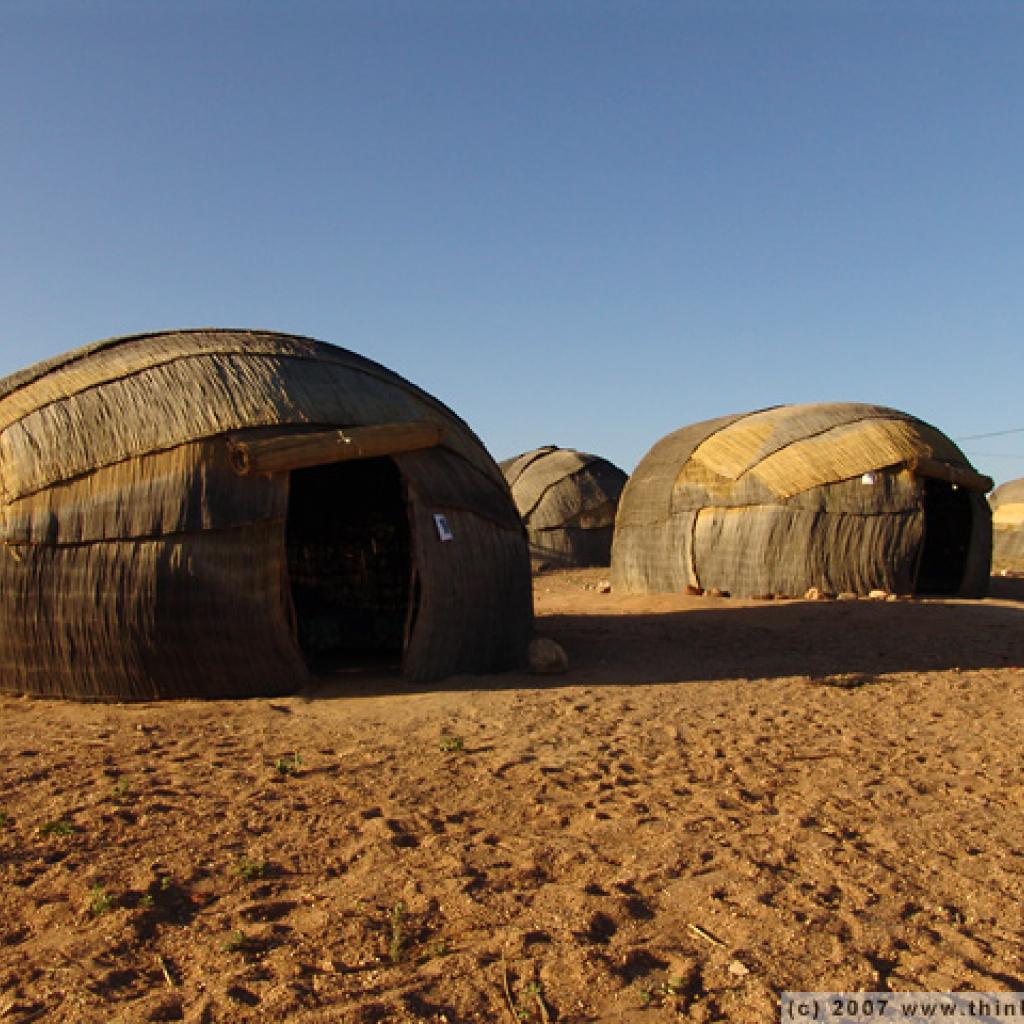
349,564
947,537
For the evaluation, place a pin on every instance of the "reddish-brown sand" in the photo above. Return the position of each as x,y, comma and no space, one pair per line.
719,801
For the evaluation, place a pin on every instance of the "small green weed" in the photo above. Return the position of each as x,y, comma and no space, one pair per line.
146,901
451,744
534,991
436,951
675,985
396,942
249,869
57,827
236,942
120,788
288,765
3,819
100,901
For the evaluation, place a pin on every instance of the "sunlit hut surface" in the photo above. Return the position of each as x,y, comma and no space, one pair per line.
223,513
1007,503
567,500
838,496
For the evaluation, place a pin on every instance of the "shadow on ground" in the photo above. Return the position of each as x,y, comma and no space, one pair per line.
762,641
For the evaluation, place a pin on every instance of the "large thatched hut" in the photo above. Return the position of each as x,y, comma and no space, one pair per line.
221,513
837,496
1007,502
567,500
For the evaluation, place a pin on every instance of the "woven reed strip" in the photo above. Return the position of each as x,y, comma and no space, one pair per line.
846,452
1008,549
444,481
774,550
118,358
590,494
726,453
544,473
183,490
647,496
656,560
194,616
978,570
571,548
475,612
894,490
185,401
795,424
513,468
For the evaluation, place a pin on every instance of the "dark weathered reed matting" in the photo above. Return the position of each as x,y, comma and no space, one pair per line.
780,500
567,500
1007,503
136,563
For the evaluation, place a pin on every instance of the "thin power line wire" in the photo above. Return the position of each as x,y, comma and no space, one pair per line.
996,433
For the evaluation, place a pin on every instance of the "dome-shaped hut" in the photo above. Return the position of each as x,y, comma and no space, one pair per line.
838,496
222,513
1007,502
567,500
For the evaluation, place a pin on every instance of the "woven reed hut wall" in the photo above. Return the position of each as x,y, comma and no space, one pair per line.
182,516
839,496
567,500
1007,502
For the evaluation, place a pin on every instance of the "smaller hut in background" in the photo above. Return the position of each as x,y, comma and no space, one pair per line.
1007,503
835,496
567,500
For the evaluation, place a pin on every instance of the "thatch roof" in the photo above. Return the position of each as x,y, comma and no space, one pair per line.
137,562
1007,502
567,500
829,495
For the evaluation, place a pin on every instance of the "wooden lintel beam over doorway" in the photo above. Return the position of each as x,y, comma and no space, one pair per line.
288,450
961,476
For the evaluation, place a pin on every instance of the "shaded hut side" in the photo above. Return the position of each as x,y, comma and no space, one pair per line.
1007,502
567,500
839,496
140,560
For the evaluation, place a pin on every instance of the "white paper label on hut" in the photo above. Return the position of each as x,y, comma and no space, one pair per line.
444,531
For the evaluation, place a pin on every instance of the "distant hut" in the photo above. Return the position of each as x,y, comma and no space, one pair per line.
221,513
567,500
841,497
1007,503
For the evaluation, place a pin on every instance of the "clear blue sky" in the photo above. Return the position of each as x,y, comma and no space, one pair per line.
581,223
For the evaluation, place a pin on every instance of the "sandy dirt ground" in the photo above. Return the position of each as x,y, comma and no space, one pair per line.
719,801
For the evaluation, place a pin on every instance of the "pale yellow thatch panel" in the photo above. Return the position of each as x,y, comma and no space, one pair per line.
847,452
728,452
1010,514
697,482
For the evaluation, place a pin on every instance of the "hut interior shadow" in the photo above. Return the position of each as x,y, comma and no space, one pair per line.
349,564
947,531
